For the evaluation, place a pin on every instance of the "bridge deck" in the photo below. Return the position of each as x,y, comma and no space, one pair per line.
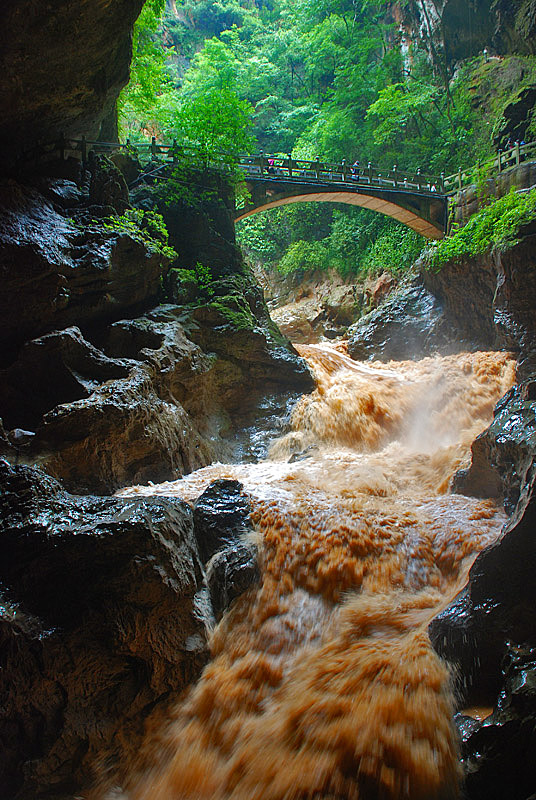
423,211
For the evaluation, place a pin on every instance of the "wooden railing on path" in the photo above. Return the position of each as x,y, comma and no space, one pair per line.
286,168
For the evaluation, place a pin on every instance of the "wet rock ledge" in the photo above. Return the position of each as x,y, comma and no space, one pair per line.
97,624
113,367
104,609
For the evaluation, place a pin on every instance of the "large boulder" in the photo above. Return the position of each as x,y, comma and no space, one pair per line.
56,368
408,325
502,745
56,273
465,289
98,623
221,524
221,516
150,403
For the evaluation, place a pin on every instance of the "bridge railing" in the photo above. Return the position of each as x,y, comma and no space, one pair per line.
81,149
286,168
264,166
511,157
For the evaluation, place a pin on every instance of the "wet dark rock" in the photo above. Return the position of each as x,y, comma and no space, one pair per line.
107,185
408,325
231,572
515,299
56,368
465,289
128,164
97,624
149,405
102,422
221,516
61,192
123,433
503,454
234,323
200,219
502,746
71,275
473,649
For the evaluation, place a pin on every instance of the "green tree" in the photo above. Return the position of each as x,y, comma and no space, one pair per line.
216,122
145,105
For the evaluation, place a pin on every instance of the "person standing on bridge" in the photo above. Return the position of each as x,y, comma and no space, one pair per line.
354,170
271,166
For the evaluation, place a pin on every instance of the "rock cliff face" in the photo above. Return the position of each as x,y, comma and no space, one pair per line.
456,29
57,272
109,397
48,87
103,383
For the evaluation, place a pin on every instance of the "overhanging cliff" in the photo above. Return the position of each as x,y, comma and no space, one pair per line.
62,66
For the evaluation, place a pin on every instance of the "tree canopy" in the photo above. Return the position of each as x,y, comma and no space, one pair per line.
338,79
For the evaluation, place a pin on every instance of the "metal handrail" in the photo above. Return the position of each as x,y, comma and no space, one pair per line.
504,160
274,168
285,167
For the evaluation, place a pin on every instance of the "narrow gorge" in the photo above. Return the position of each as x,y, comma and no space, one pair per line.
264,543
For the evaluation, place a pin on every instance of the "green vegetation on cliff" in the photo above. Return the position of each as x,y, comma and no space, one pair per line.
315,236
494,226
147,227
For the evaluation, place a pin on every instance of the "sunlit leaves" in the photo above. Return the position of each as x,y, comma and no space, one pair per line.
216,122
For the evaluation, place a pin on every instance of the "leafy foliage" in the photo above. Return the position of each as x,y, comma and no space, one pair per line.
315,78
496,225
216,122
316,236
147,227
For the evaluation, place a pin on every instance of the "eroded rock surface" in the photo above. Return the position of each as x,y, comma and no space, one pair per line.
230,573
502,745
115,401
56,273
408,325
98,623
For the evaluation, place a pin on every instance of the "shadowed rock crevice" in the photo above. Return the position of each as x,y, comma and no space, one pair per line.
98,623
120,400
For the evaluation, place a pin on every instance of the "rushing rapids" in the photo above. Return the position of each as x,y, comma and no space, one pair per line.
323,683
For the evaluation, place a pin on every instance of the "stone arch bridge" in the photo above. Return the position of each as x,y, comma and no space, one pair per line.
417,200
413,199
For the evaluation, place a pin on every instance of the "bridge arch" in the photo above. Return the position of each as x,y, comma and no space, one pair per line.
424,212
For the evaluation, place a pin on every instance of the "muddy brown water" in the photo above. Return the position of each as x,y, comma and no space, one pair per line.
323,683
